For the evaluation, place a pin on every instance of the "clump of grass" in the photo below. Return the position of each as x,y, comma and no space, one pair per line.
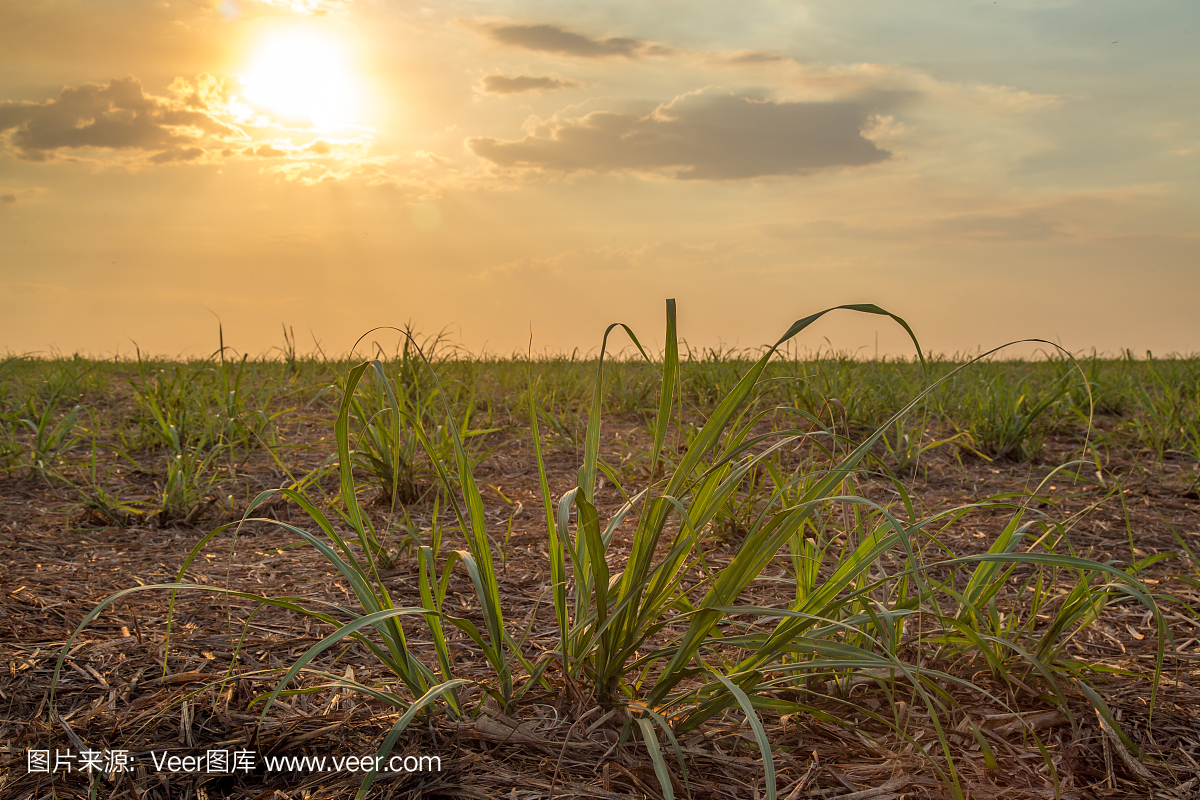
395,415
386,442
41,426
1169,408
606,621
51,433
205,419
204,406
1003,419
1109,390
905,442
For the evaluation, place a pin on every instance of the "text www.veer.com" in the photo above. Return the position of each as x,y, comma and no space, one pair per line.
352,763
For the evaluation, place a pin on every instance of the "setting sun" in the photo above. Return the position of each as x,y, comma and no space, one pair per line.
303,76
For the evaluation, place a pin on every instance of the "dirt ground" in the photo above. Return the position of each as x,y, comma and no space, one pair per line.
57,562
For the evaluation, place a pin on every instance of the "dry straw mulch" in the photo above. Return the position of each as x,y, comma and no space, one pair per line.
56,564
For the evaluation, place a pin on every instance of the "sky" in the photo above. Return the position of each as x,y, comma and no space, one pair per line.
519,174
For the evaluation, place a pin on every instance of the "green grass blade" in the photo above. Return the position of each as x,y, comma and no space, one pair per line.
760,735
656,758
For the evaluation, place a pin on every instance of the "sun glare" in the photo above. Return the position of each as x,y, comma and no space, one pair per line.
303,76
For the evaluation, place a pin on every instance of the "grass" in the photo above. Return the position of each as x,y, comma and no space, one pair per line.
1004,420
763,456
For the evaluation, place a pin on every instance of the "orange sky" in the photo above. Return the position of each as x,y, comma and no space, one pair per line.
989,170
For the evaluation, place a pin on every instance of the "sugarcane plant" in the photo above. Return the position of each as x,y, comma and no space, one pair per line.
646,635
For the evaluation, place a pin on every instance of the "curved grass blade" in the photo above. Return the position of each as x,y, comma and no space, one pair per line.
393,735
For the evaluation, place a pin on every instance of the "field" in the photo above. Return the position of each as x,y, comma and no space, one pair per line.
709,574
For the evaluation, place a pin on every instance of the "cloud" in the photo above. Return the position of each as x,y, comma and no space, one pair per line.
1027,226
751,57
11,195
372,170
502,84
265,151
117,115
350,149
701,135
553,39
177,154
199,120
822,229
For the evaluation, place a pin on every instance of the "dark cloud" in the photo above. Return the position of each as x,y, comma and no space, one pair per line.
752,57
8,198
177,154
552,39
502,84
697,136
117,115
